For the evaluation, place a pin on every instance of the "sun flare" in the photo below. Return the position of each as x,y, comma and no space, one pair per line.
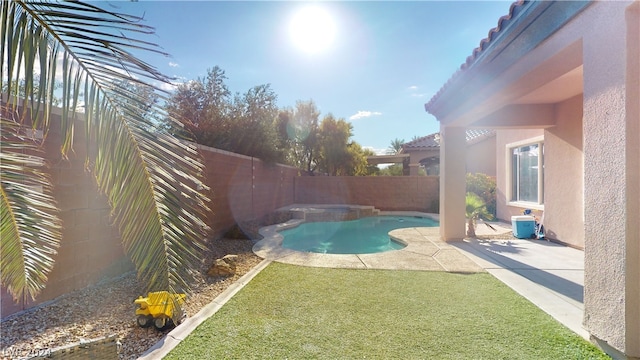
312,29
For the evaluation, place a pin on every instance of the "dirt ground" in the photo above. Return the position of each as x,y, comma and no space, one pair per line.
107,309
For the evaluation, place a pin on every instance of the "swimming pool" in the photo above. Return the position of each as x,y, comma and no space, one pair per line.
363,236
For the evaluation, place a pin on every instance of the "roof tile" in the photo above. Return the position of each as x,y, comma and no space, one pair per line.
432,141
503,22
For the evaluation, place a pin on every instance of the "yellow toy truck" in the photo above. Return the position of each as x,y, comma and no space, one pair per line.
160,309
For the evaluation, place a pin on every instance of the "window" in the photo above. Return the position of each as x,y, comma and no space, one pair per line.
527,173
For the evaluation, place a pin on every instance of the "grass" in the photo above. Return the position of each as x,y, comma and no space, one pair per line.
298,312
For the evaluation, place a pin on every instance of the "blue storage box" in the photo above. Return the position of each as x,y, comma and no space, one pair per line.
524,227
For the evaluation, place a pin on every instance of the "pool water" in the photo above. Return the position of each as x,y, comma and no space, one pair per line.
363,236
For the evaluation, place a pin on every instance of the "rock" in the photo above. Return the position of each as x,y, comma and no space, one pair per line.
224,267
230,259
107,308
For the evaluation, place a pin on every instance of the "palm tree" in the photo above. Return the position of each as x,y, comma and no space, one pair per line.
395,147
475,209
153,181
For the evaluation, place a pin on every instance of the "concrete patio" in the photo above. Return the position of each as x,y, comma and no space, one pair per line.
548,274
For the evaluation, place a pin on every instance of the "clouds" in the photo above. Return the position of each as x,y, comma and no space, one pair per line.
375,150
413,89
364,114
172,64
168,86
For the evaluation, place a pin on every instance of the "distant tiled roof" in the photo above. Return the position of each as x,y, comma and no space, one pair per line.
429,141
503,22
476,135
432,141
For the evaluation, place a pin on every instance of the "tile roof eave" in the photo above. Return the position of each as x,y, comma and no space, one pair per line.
528,24
473,136
494,34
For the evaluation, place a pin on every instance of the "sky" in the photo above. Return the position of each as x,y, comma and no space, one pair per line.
374,64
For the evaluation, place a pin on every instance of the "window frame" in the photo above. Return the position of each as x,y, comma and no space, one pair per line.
510,196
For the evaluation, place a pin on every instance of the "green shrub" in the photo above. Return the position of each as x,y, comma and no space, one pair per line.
484,186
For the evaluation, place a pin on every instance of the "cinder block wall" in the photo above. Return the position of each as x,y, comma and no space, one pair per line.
416,193
242,188
90,249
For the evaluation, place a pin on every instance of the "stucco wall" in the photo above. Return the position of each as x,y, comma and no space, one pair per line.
563,175
481,157
602,42
417,193
503,138
608,152
604,37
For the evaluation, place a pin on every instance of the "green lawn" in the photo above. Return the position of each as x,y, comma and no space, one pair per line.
297,312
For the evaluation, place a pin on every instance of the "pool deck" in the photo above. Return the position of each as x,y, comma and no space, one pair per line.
424,251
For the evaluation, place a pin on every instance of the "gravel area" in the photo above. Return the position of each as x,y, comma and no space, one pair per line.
107,308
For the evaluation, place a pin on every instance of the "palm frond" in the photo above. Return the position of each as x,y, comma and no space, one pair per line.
476,207
29,226
152,181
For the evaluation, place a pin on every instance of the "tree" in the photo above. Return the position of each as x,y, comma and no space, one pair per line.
337,155
202,107
333,140
244,124
395,147
150,178
20,84
284,142
392,170
141,99
299,128
474,210
359,164
252,124
484,186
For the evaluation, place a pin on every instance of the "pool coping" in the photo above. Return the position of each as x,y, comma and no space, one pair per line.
424,250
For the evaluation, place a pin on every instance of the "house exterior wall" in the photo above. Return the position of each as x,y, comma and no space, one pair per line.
632,164
412,193
416,156
563,175
481,157
610,127
504,211
601,40
607,36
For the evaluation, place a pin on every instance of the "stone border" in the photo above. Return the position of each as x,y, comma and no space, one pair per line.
175,336
102,348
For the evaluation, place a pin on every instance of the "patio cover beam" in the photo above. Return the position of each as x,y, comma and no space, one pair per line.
520,116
